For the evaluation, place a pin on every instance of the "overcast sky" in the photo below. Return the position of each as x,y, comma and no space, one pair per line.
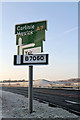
61,39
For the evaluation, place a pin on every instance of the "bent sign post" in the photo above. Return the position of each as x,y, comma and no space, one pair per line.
29,41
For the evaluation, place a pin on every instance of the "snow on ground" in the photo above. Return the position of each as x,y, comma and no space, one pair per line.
16,106
0,104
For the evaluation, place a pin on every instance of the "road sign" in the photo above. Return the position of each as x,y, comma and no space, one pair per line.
29,38
34,47
29,28
33,38
36,37
35,59
32,51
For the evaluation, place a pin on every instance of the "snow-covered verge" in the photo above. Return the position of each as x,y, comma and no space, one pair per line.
16,106
0,103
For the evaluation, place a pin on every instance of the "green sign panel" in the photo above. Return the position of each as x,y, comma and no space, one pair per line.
36,38
30,28
37,44
30,36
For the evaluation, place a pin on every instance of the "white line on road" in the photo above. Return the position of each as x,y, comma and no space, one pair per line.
72,102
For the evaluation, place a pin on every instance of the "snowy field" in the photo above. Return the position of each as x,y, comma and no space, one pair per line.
16,106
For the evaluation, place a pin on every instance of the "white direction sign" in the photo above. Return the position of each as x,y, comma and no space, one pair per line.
41,58
34,59
32,50
25,49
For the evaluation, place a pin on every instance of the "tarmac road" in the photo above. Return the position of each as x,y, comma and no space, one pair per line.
67,99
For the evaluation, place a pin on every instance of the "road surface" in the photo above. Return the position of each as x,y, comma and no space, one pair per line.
67,99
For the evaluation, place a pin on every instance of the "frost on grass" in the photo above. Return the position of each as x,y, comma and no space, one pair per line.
0,104
16,106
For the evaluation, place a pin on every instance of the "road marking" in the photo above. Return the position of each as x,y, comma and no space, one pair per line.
20,41
72,102
24,46
18,59
29,45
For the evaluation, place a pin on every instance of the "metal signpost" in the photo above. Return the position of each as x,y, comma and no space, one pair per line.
29,40
30,90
